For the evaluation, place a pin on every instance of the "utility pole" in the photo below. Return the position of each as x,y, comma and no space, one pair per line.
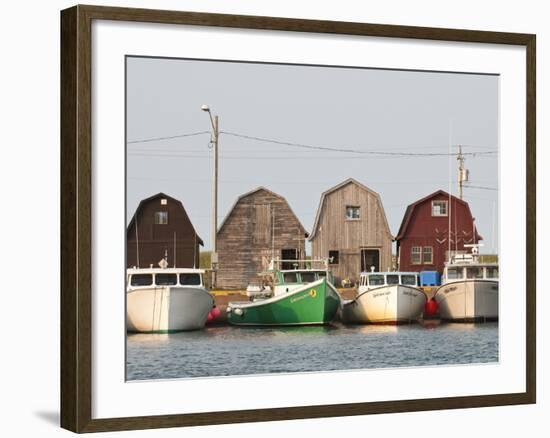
463,173
215,142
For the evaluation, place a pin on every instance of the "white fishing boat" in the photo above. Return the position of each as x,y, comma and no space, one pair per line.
166,300
385,298
469,289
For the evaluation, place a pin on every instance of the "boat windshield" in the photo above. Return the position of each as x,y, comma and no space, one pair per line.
321,274
454,273
141,280
307,277
392,279
190,279
474,272
376,280
409,280
290,277
491,272
166,279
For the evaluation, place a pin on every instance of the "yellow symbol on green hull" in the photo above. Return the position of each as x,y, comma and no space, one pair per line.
313,293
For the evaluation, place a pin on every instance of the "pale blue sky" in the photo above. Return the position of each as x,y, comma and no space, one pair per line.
360,109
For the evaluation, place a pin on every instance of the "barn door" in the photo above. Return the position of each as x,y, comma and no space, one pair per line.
369,258
288,254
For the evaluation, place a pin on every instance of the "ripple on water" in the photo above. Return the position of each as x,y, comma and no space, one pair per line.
228,350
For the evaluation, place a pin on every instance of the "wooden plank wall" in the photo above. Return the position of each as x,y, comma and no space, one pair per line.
335,232
256,223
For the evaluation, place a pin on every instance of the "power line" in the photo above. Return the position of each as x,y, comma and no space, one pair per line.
315,147
354,151
480,187
273,157
147,140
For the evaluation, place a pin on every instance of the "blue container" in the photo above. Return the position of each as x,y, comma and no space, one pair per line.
430,278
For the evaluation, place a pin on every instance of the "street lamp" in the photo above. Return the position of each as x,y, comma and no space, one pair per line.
215,137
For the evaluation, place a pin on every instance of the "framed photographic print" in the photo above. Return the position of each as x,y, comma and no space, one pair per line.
271,218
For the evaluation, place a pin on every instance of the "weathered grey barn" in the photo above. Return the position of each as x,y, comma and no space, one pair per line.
260,226
161,228
352,231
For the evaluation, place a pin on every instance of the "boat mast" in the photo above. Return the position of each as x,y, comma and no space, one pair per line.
450,190
137,243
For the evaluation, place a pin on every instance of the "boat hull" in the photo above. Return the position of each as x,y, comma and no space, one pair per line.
167,309
313,303
397,304
468,300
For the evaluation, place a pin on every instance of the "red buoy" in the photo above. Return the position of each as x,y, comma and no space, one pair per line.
215,312
430,308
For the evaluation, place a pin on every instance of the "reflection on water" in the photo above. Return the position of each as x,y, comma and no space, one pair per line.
228,350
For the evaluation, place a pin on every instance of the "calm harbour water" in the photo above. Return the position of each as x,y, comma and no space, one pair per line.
228,350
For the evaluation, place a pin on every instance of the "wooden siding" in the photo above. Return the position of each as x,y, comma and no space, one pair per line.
420,229
334,232
157,239
260,226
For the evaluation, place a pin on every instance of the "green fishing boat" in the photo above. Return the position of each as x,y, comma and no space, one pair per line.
299,296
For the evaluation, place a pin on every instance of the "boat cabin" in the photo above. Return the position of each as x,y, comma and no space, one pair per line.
303,276
277,282
147,278
470,272
369,280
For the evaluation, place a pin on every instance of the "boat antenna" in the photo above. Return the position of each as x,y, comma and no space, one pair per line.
195,251
450,190
272,230
137,243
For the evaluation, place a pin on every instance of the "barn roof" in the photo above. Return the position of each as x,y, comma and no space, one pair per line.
338,187
257,189
163,195
410,209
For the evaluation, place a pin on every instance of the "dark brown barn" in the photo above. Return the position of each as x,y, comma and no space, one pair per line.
423,239
161,228
260,226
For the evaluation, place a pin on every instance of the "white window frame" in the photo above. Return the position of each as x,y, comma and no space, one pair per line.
431,262
419,255
443,202
358,212
159,215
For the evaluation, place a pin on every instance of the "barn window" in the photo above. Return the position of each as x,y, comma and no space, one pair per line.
333,257
416,252
353,212
427,255
439,208
163,201
161,217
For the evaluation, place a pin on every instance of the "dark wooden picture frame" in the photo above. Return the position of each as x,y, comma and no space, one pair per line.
76,217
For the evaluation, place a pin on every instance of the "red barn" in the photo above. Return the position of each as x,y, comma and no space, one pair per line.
423,238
